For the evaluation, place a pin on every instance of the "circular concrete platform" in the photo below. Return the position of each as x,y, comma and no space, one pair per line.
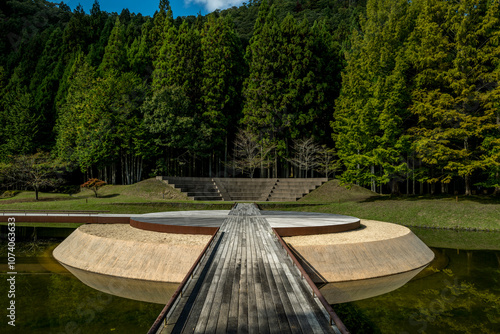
363,259
287,223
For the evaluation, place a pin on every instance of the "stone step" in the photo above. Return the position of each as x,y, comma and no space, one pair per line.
240,189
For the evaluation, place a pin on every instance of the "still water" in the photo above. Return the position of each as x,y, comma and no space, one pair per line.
458,293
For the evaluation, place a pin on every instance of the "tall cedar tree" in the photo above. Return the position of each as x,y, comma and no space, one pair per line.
455,53
369,120
115,55
287,89
222,77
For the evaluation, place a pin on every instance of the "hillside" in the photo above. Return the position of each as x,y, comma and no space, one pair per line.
334,191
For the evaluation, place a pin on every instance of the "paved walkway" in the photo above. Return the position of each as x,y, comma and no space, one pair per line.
247,284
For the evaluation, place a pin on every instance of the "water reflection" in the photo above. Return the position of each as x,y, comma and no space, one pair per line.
141,290
458,293
342,292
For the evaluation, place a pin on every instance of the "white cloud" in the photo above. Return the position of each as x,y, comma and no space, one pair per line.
212,5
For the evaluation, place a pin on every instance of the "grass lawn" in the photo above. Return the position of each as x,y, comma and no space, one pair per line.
143,197
473,212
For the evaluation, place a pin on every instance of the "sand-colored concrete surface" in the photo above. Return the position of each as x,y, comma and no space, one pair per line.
376,249
122,251
128,233
369,231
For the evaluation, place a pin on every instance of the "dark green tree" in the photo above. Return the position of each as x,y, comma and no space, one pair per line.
115,55
222,77
370,114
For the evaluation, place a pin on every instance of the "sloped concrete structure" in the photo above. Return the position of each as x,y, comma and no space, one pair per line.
361,260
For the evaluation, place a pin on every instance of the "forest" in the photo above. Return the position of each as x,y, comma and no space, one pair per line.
398,96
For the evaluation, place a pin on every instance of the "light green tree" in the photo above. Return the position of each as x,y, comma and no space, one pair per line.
455,51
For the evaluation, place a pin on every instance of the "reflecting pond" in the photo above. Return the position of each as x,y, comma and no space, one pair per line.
458,293
51,300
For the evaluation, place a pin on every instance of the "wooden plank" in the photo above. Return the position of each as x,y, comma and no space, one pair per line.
226,288
209,325
253,319
182,310
232,321
243,284
266,289
249,285
279,302
258,298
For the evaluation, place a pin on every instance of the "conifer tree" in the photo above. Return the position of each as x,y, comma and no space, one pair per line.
286,91
221,78
21,124
115,55
162,21
262,86
138,54
454,51
369,118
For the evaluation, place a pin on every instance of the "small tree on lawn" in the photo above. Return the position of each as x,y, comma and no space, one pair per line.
35,171
94,185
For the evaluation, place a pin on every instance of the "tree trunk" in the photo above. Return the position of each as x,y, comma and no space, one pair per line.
373,184
225,157
275,172
36,193
413,176
210,166
395,187
467,186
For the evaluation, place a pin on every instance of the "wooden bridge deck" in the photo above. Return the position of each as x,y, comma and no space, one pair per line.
247,284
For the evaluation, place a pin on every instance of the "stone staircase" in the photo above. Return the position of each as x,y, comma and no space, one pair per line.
241,189
196,188
289,190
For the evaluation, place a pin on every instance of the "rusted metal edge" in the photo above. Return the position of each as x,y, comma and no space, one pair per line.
313,230
333,316
67,219
55,211
164,313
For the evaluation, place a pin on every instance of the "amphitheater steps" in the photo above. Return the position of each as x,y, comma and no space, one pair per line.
241,189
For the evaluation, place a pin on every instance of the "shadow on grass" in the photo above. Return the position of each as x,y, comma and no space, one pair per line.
33,200
107,196
482,199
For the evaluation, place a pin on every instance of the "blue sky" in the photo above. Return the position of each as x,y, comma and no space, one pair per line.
148,7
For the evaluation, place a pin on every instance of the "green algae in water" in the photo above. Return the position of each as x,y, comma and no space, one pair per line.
48,302
460,293
463,297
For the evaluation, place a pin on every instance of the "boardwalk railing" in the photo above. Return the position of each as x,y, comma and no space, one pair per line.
161,321
315,291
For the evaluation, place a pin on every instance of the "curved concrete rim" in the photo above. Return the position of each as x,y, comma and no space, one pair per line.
286,223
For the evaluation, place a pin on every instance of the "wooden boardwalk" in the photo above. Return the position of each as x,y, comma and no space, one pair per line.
247,284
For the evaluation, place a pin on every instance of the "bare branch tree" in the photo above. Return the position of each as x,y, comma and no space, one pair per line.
305,154
327,164
249,154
